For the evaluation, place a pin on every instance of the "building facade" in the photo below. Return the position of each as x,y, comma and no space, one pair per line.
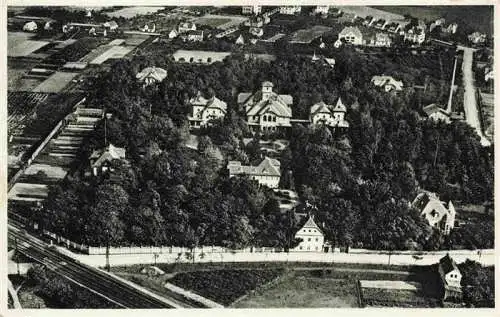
267,173
265,109
290,10
312,237
203,110
352,35
332,116
255,9
435,212
151,75
451,278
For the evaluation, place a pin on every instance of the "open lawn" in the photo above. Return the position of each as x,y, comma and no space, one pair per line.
25,48
362,11
56,82
131,12
112,52
378,297
307,35
305,292
222,22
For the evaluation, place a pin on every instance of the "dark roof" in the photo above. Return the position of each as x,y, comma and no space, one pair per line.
447,264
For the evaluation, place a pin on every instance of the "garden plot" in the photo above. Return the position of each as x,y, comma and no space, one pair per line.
49,170
56,82
390,284
28,192
25,48
131,12
112,52
16,38
136,40
307,35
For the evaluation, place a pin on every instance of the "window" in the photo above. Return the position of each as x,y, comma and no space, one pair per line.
274,119
316,239
265,118
191,59
308,239
300,248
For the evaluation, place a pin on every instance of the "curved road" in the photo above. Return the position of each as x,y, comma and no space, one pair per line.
470,103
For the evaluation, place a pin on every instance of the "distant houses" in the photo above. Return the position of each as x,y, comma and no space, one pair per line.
265,109
254,9
435,212
312,237
199,57
30,27
185,27
352,35
387,83
151,75
266,173
328,115
415,34
323,10
290,10
379,40
204,110
477,38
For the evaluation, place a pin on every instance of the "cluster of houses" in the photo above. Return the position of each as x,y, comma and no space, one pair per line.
92,29
188,32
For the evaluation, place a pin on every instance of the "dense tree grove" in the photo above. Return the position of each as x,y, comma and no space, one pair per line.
478,284
361,181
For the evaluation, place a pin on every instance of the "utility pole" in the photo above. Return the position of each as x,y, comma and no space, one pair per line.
106,117
107,250
436,152
17,257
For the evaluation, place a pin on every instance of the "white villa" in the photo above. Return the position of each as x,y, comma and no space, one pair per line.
203,110
332,116
387,82
312,237
290,10
437,113
151,75
352,35
265,109
266,173
435,212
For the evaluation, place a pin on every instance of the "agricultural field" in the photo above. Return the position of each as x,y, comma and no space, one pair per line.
363,11
25,48
222,22
224,286
56,82
16,80
75,51
112,52
479,18
293,291
28,192
382,297
307,35
21,107
131,12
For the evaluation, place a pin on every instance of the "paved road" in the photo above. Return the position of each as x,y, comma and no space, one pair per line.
470,102
102,283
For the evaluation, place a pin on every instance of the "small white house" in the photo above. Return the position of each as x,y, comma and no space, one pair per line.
266,173
254,9
437,113
151,75
30,27
100,160
332,116
388,83
312,237
240,40
290,10
111,25
173,34
435,212
323,10
451,277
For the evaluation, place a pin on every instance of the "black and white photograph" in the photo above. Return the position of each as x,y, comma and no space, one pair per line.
249,156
